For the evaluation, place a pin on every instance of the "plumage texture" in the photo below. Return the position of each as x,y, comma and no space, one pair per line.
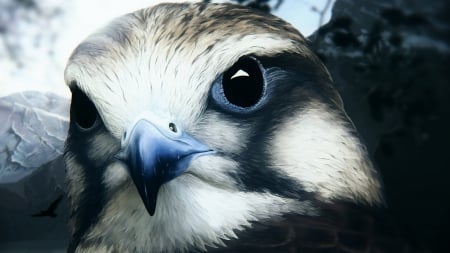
280,166
340,227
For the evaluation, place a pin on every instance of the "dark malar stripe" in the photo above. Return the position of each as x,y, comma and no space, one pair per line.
94,196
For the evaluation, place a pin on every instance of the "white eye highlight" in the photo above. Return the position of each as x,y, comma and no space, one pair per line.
240,73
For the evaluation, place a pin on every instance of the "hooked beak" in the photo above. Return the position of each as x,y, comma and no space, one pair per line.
155,156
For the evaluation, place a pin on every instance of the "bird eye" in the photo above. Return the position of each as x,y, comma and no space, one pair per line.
82,110
241,87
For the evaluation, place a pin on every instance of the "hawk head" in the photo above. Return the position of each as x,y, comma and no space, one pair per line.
189,122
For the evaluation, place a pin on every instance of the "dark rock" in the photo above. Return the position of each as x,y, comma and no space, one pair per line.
395,89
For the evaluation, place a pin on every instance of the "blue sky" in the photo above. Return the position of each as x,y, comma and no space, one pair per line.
300,14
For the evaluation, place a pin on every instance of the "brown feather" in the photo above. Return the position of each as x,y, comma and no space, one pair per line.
340,227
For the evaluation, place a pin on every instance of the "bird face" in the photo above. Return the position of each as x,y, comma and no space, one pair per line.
191,121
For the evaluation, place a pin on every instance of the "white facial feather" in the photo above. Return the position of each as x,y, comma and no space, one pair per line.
227,135
115,175
201,208
190,213
316,147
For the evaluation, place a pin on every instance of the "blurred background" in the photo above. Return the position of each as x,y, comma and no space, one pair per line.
389,60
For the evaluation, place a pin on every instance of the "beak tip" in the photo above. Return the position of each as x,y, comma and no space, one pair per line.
151,207
149,195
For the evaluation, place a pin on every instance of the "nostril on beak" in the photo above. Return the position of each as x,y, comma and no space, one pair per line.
173,127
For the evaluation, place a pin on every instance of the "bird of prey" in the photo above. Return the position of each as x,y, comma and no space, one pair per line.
50,211
214,128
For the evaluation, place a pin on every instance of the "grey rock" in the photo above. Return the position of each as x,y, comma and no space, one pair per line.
34,127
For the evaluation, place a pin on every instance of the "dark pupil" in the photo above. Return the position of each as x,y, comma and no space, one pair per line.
243,91
83,110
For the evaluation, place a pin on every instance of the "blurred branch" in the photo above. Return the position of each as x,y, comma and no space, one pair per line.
322,12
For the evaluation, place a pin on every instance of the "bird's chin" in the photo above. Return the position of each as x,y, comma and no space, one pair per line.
190,175
200,179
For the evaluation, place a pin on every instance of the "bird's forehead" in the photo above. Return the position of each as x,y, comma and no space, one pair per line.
165,58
